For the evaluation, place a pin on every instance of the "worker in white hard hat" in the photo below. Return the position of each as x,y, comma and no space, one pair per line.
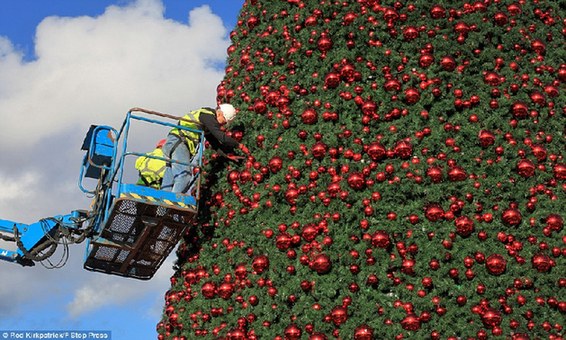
181,145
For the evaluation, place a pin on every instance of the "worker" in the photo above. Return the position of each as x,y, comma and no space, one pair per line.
182,145
151,170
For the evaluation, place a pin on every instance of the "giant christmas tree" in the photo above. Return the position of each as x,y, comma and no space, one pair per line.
407,178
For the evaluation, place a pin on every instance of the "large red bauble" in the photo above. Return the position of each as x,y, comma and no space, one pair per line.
356,181
381,239
426,60
555,222
317,336
260,107
332,80
363,332
437,12
525,168
520,110
492,78
434,212
486,138
260,263
464,226
403,149
512,217
491,318
448,63
225,290
410,33
339,315
208,290
496,264
321,264
392,85
559,171
283,241
435,174
324,44
318,150
456,174
411,322
542,263
376,151
369,108
292,332
309,116
275,164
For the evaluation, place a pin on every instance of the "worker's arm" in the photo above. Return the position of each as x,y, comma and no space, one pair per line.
212,126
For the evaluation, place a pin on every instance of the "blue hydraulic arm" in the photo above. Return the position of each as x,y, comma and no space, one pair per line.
39,240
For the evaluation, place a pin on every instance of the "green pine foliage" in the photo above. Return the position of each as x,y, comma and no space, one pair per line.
407,178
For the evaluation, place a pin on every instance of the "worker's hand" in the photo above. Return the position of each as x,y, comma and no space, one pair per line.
244,149
235,158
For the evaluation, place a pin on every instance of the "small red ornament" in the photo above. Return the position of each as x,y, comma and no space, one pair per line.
435,174
559,171
208,290
520,110
319,150
225,290
496,264
456,174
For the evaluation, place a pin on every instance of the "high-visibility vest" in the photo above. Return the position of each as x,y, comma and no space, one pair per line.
191,138
151,169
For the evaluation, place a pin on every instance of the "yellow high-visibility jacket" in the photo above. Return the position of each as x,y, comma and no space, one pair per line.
151,170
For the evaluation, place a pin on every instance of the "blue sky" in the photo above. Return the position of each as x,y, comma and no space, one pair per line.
67,64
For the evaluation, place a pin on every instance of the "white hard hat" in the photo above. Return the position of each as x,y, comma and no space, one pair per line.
228,110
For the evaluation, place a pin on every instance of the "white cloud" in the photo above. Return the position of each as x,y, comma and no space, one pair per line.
91,70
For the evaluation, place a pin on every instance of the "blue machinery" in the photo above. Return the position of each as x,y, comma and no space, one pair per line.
130,229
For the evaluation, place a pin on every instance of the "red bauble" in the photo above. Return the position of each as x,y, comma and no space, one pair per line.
403,150
260,263
319,150
555,222
410,33
512,217
363,332
448,63
381,239
411,322
392,85
356,181
434,212
542,263
559,171
324,44
520,110
464,226
292,332
321,264
275,164
437,12
339,315
538,46
317,336
376,151
456,174
492,78
225,290
426,60
332,80
435,174
369,108
496,264
486,138
491,318
208,290
309,116
525,168
260,107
